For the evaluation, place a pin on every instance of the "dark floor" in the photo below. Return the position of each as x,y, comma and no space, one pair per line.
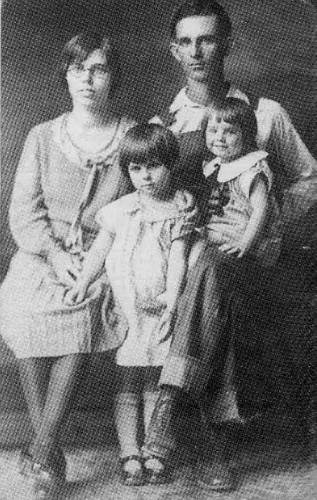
269,464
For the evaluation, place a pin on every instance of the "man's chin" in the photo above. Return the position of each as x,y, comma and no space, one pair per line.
198,76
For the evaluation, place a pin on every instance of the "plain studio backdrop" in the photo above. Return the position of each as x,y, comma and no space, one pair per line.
272,56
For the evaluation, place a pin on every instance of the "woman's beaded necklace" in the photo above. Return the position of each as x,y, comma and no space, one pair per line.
86,159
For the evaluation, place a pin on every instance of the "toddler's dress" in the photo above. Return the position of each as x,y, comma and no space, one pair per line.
231,183
56,195
137,270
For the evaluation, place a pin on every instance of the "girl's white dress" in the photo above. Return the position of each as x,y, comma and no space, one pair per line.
137,269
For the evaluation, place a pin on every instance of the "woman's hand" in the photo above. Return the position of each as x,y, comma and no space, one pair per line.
66,267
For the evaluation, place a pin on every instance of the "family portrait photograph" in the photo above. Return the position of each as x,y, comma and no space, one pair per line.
158,250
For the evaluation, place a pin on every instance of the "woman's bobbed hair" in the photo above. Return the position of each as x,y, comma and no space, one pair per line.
237,112
78,48
145,142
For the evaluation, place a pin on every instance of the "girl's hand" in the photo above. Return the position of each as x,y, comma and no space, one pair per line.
66,267
76,294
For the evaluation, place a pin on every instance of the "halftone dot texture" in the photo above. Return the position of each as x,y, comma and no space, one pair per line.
272,56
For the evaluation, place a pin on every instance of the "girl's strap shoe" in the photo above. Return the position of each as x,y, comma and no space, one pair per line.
133,476
157,470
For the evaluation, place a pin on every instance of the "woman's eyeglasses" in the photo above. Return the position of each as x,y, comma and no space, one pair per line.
96,70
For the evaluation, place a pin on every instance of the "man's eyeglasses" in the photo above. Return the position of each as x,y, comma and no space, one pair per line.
96,70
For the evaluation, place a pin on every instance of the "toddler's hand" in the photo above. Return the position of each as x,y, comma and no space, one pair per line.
162,298
237,248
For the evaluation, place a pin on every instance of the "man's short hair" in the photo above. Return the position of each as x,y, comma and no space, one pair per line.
190,8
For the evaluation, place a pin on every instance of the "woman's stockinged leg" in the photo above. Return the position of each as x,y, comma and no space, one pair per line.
62,382
34,376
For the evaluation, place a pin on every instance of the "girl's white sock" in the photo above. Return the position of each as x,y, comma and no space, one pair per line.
126,419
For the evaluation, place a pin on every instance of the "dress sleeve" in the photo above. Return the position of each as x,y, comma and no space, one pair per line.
187,222
289,147
247,178
106,218
28,215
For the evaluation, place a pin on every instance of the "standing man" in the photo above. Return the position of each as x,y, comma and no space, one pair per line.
201,39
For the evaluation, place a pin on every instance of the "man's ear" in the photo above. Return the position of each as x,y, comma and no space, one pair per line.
174,50
227,45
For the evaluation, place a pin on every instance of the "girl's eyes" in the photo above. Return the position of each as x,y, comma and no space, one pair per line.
229,131
136,167
211,130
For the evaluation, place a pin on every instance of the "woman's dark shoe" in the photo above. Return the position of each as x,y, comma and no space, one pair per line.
47,484
25,462
156,470
48,479
131,471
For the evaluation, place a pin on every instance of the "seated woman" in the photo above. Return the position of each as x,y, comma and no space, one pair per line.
67,172
241,238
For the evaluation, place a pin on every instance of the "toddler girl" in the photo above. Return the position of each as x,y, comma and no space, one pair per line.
143,243
241,208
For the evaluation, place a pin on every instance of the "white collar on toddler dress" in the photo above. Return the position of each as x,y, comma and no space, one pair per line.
231,170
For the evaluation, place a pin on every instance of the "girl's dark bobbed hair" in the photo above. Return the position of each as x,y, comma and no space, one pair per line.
145,142
237,112
78,48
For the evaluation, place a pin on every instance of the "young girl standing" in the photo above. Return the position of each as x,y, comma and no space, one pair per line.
143,242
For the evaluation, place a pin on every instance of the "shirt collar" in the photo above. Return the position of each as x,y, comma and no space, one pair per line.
182,100
233,169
